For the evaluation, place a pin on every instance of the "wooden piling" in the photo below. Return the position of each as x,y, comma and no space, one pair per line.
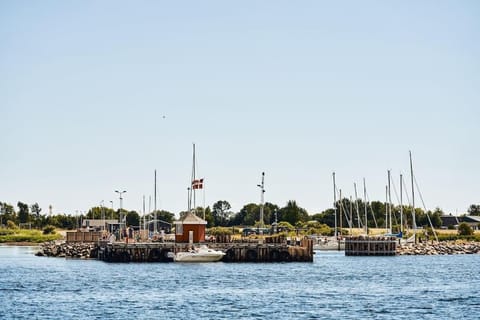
370,246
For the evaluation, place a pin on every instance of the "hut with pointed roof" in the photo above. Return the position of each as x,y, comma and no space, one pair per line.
190,228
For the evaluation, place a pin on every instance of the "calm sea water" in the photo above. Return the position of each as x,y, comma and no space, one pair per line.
332,287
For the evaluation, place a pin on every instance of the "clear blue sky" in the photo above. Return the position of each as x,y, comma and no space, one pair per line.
297,89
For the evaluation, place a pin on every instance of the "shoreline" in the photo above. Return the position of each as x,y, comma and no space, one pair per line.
21,244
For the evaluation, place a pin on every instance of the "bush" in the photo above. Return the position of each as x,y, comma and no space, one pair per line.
464,229
11,225
217,231
49,230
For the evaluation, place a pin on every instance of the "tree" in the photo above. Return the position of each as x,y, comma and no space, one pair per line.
23,212
132,218
221,213
7,212
164,215
35,208
474,210
247,215
464,229
292,213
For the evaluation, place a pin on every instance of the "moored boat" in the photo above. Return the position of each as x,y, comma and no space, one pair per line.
199,254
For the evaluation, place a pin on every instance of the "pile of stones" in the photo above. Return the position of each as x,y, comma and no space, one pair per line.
79,250
441,248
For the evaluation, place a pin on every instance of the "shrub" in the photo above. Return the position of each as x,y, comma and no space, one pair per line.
11,225
49,230
464,229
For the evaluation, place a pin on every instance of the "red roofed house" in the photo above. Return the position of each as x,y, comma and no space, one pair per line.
190,229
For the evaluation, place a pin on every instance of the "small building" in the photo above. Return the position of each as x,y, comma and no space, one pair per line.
98,224
449,220
190,228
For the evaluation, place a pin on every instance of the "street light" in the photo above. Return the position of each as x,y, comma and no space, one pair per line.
261,186
103,214
120,214
111,202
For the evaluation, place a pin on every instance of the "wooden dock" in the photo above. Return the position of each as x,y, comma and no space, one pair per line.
259,251
370,246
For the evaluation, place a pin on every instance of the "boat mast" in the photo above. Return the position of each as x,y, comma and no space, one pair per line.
414,224
335,205
365,201
401,204
356,206
341,213
155,203
351,215
386,208
193,179
389,202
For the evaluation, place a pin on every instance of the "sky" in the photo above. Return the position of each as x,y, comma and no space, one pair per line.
96,95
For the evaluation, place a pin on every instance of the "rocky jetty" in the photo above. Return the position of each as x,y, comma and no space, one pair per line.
80,250
440,248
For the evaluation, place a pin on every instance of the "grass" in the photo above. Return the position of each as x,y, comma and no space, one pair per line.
25,235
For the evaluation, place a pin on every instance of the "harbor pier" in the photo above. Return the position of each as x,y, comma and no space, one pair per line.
259,251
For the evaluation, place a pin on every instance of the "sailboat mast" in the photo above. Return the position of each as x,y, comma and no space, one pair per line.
335,204
386,208
341,218
401,203
389,202
155,202
351,215
193,178
356,206
414,224
365,201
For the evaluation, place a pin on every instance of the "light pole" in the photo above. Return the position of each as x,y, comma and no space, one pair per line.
120,210
261,186
111,202
103,214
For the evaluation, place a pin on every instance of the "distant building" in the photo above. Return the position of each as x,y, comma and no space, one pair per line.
454,221
98,224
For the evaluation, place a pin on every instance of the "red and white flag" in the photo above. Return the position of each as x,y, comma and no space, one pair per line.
197,184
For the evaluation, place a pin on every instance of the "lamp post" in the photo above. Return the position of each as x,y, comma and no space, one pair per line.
261,186
103,214
120,210
111,202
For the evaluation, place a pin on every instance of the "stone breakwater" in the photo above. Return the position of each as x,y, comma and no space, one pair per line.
441,248
68,250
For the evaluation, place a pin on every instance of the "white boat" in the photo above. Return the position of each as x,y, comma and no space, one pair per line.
199,254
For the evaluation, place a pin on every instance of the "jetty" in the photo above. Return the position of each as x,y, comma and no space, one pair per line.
258,251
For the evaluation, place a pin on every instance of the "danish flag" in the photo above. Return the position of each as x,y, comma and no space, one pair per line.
197,184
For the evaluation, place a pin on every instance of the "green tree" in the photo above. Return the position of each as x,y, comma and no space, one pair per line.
209,217
292,213
474,210
23,212
464,229
35,208
7,212
247,216
221,213
132,218
164,215
269,210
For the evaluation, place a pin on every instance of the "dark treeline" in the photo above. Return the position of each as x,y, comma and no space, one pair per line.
220,214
